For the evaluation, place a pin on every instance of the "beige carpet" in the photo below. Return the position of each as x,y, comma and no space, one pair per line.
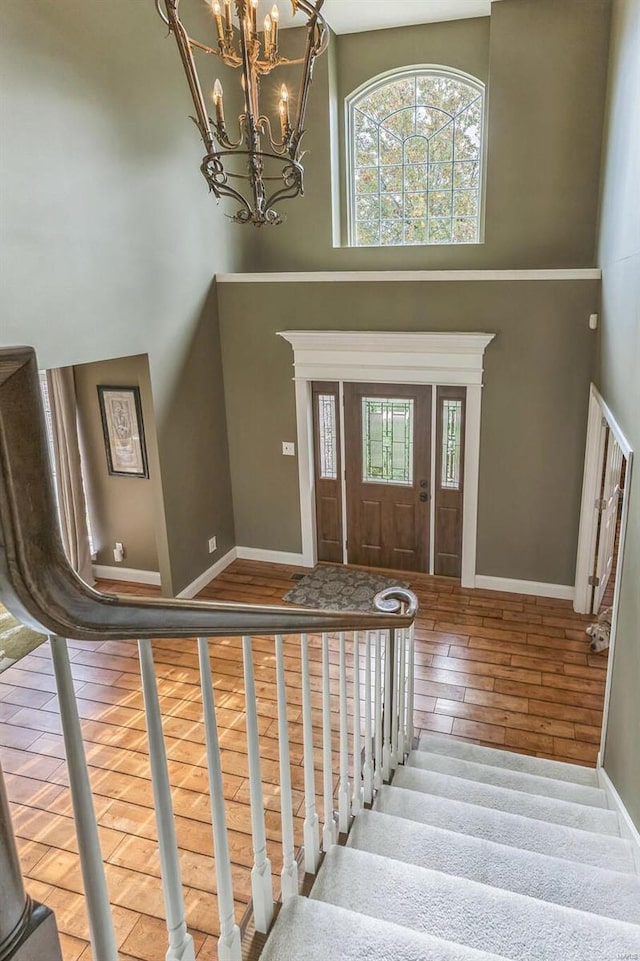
16,640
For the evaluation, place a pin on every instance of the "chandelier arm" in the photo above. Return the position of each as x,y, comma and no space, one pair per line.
293,185
186,55
215,176
314,48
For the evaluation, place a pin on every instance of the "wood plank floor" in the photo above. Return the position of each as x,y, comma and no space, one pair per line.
506,670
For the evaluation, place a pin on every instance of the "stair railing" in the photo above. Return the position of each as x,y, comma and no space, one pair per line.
38,586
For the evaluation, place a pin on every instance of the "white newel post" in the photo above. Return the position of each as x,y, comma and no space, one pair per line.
393,698
181,947
229,947
377,707
289,875
411,689
344,793
357,798
386,707
401,637
367,770
311,822
329,831
261,887
103,940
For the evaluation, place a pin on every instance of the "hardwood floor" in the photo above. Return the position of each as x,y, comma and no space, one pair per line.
506,670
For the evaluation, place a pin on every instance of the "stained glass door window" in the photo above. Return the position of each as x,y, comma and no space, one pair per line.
327,436
451,438
387,441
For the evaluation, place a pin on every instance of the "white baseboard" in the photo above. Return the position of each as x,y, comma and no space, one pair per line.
207,576
270,557
537,588
130,574
628,829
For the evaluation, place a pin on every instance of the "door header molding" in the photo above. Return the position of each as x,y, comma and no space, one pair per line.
389,357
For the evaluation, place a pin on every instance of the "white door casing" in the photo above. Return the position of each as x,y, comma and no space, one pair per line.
608,519
438,359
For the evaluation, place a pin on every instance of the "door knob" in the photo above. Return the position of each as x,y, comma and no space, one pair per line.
424,496
424,483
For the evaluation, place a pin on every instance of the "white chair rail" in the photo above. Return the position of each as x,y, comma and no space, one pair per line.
356,692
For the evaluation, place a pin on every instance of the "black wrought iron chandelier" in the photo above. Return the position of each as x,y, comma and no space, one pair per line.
269,163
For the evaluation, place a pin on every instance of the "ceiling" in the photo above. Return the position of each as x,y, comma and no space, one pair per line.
353,16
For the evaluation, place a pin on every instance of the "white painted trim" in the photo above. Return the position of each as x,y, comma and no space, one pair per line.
599,410
207,576
130,574
271,557
395,358
628,829
535,588
410,276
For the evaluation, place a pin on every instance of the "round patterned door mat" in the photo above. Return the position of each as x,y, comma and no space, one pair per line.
340,589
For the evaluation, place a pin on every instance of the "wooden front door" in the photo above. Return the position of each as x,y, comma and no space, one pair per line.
388,471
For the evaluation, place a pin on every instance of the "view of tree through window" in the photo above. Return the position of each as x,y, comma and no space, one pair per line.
416,152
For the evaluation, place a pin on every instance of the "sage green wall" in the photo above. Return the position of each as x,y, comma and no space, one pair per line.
122,508
545,62
619,378
109,239
534,403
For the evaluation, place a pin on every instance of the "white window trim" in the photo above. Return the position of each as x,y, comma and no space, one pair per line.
436,359
380,80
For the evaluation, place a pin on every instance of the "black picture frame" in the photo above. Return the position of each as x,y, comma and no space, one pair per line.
123,429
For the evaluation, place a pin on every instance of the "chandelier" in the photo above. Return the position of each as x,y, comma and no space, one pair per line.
261,163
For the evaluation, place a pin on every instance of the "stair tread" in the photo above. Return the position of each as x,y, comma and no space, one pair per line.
543,767
544,877
466,912
553,810
317,931
513,830
506,777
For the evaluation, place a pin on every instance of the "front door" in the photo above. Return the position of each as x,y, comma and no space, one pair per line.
388,471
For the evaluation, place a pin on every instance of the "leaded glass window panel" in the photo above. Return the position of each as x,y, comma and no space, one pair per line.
327,437
387,441
416,158
451,443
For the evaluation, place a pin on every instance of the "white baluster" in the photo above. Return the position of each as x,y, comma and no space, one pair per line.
394,637
229,947
103,941
357,797
377,704
329,831
411,689
344,793
367,770
261,888
181,947
289,875
402,681
311,828
386,706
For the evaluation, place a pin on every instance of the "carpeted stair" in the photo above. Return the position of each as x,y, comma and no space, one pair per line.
473,854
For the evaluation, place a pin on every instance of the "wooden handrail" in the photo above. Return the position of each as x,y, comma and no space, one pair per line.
39,587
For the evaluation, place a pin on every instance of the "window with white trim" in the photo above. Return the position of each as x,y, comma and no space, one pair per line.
415,145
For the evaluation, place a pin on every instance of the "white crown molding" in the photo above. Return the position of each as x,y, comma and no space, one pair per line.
194,588
410,276
130,574
536,588
396,357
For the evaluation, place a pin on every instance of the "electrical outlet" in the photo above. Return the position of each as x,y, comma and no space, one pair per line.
213,545
118,553
288,448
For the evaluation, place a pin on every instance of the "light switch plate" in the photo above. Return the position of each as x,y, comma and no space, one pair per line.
288,448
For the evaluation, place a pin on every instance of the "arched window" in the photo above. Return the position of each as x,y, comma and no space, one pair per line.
415,159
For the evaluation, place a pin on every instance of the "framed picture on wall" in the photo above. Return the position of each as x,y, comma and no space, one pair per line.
121,413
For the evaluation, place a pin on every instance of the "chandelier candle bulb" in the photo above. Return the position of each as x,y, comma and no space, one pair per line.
267,37
219,105
253,7
284,111
217,13
228,16
275,18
